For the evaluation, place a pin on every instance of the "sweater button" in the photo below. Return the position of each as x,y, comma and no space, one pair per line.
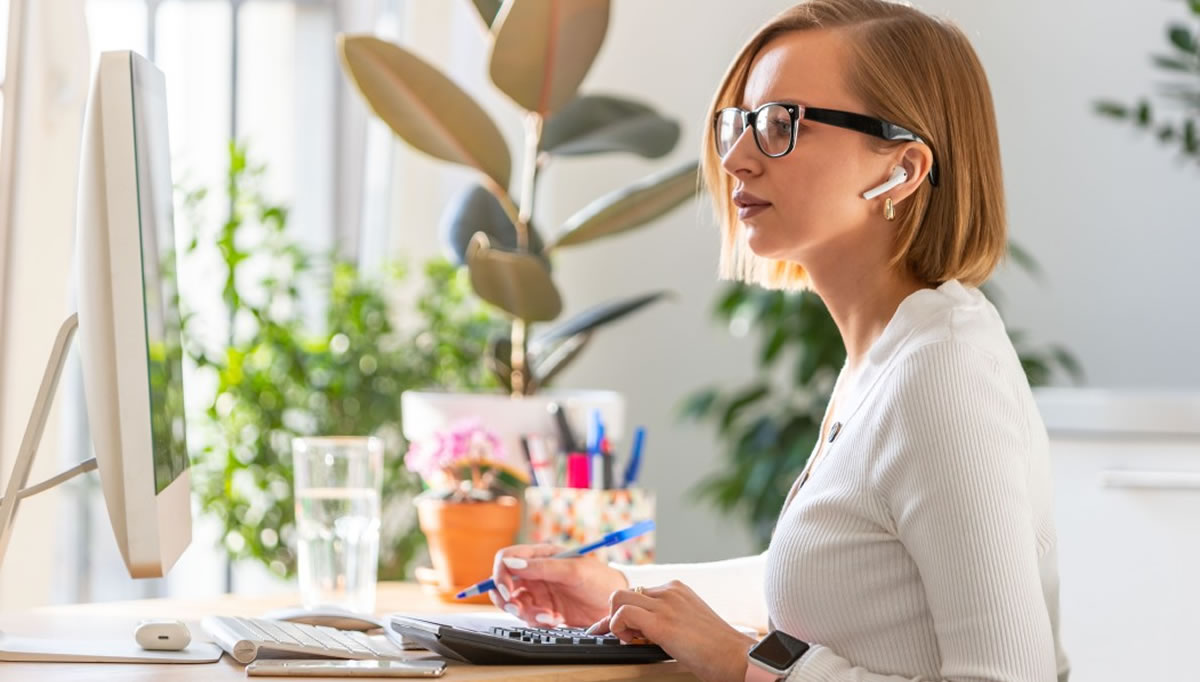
834,430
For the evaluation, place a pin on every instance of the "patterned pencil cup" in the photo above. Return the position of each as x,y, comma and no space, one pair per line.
575,516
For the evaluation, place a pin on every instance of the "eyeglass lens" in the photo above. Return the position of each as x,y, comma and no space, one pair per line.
772,128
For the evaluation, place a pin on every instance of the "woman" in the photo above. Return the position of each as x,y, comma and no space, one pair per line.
853,151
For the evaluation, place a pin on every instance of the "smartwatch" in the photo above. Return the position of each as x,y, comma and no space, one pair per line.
774,656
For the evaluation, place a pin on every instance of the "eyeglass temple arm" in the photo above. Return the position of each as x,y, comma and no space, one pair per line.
869,126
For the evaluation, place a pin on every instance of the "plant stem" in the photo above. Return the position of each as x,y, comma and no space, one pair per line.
521,383
533,138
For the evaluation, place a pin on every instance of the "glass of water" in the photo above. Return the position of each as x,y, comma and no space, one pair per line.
338,482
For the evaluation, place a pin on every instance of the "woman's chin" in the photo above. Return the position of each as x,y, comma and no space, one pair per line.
760,244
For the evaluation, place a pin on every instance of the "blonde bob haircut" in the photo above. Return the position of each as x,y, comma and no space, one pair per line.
916,71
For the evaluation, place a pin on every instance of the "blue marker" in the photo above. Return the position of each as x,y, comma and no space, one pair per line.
614,538
635,458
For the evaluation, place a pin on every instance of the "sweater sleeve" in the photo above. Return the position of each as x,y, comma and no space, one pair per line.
957,490
746,605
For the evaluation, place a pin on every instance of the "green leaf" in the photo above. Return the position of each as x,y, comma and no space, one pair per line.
697,406
1069,363
774,345
544,48
626,209
1189,136
595,124
1112,109
597,316
517,283
488,9
1036,370
550,362
499,360
1176,64
1182,38
424,107
1187,96
1024,259
1143,113
740,402
477,210
810,359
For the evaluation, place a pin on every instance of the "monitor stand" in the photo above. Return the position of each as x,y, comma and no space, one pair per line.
69,649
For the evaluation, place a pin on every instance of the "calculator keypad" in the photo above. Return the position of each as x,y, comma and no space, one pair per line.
552,636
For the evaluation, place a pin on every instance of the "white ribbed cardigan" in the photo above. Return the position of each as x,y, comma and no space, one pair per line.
923,545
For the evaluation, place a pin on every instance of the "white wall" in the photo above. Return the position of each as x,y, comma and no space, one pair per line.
1110,216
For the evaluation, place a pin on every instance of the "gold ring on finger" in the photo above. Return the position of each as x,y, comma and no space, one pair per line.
640,589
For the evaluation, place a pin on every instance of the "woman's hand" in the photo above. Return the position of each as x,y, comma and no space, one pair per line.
675,618
549,592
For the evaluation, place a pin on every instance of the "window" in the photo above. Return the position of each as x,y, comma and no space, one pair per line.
266,73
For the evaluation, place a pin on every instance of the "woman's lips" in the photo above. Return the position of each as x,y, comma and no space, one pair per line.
749,205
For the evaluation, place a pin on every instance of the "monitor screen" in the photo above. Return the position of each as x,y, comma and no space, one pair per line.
156,216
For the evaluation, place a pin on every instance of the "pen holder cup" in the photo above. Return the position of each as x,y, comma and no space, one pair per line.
576,516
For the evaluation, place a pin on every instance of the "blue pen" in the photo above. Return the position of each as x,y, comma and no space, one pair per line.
635,458
595,456
614,538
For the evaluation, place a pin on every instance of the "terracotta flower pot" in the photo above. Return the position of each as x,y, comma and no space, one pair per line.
463,540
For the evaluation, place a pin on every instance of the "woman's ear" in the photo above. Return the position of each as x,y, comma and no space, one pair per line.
917,160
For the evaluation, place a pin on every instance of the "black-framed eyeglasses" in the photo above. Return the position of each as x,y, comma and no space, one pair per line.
774,126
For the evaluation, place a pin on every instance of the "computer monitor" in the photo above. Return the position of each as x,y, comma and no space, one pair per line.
128,322
130,346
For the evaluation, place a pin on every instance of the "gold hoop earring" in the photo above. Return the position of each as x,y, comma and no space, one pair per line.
889,211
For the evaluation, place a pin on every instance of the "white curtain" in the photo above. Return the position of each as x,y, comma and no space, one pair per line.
51,72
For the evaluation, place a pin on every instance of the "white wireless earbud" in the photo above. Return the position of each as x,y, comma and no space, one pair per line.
899,177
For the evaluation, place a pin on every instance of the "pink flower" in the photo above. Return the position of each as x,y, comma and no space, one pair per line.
463,442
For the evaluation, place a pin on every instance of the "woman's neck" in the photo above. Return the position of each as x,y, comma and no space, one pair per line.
862,302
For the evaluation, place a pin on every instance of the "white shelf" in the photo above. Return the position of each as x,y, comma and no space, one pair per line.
1103,411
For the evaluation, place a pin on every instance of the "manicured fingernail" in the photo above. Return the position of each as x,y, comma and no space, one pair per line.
592,629
515,563
503,591
547,619
512,610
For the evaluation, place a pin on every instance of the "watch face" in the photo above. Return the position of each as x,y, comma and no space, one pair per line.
779,650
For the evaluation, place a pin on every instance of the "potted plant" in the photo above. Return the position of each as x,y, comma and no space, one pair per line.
470,509
539,55
269,373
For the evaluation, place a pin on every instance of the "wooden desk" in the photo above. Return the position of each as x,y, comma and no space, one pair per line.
116,619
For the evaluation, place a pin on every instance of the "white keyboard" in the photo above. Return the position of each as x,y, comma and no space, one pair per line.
246,639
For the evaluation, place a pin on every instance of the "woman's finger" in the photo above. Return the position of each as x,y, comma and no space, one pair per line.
632,624
600,627
516,555
523,606
548,569
499,601
643,599
544,610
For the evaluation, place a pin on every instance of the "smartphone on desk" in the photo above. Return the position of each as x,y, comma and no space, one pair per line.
341,668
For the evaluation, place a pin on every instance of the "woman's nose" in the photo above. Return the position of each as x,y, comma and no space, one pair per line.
743,158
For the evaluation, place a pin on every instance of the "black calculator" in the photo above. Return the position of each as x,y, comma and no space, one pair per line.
504,641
